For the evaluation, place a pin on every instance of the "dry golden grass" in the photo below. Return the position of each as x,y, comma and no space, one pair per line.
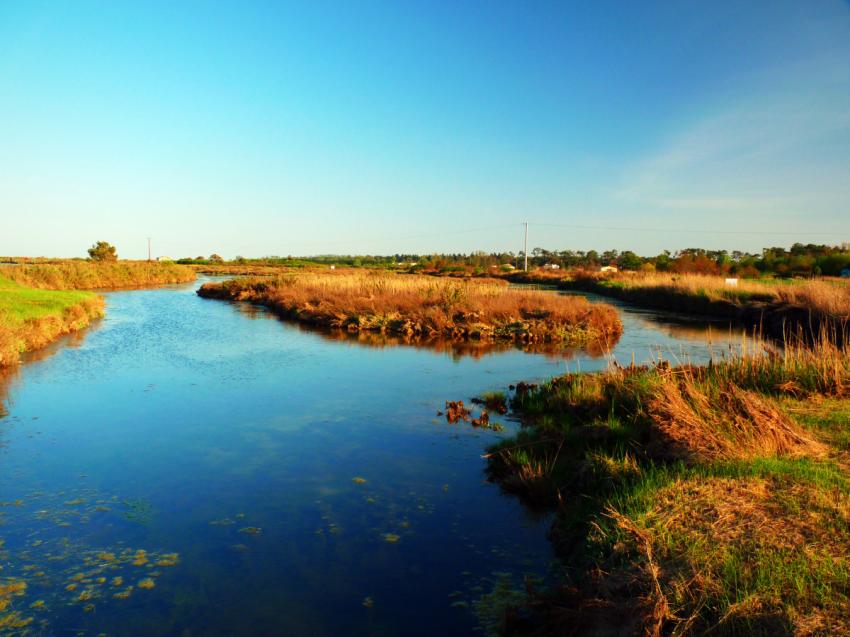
84,275
710,422
425,306
756,555
830,297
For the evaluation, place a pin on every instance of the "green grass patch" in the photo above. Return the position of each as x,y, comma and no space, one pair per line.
31,318
19,304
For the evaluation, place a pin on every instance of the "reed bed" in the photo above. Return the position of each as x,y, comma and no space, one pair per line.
421,306
829,297
83,275
692,500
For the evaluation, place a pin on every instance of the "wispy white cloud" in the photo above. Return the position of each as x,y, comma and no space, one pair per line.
780,148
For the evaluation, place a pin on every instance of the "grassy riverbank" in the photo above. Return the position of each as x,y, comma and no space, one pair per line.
691,500
84,275
32,318
776,308
419,306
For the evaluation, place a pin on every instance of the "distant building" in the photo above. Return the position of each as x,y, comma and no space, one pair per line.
165,259
609,268
507,266
551,266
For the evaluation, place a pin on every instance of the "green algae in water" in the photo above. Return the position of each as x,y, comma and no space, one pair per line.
138,510
251,530
49,572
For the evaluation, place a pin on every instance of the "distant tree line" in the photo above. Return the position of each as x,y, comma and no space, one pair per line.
800,260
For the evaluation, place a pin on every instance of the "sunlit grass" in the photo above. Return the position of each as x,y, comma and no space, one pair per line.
83,275
694,500
425,306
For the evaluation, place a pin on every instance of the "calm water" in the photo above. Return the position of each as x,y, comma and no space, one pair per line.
304,483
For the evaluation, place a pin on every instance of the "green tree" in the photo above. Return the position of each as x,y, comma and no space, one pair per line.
103,251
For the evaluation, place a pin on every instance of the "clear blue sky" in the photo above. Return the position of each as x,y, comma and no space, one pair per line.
381,127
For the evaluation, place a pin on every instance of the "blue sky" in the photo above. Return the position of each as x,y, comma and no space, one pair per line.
382,127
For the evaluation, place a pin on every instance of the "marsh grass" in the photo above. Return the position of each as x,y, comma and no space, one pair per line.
415,305
827,297
84,275
692,500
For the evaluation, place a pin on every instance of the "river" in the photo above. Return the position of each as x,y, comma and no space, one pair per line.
194,467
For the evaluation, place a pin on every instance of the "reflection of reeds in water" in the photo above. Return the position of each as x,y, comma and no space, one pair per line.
456,348
419,306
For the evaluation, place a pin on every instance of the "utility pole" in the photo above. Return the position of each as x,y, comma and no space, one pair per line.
525,251
149,249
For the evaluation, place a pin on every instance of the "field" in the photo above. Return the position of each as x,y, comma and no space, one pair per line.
83,275
31,318
424,307
691,500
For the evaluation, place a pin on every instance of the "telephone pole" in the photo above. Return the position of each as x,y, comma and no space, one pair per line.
149,249
525,251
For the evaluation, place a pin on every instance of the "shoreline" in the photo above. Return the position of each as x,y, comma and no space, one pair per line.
655,475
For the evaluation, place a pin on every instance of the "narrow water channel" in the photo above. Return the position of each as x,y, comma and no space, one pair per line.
192,467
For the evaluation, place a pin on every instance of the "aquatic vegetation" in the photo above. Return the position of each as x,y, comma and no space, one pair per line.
64,570
168,560
419,306
138,509
146,583
494,401
455,411
251,530
492,608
